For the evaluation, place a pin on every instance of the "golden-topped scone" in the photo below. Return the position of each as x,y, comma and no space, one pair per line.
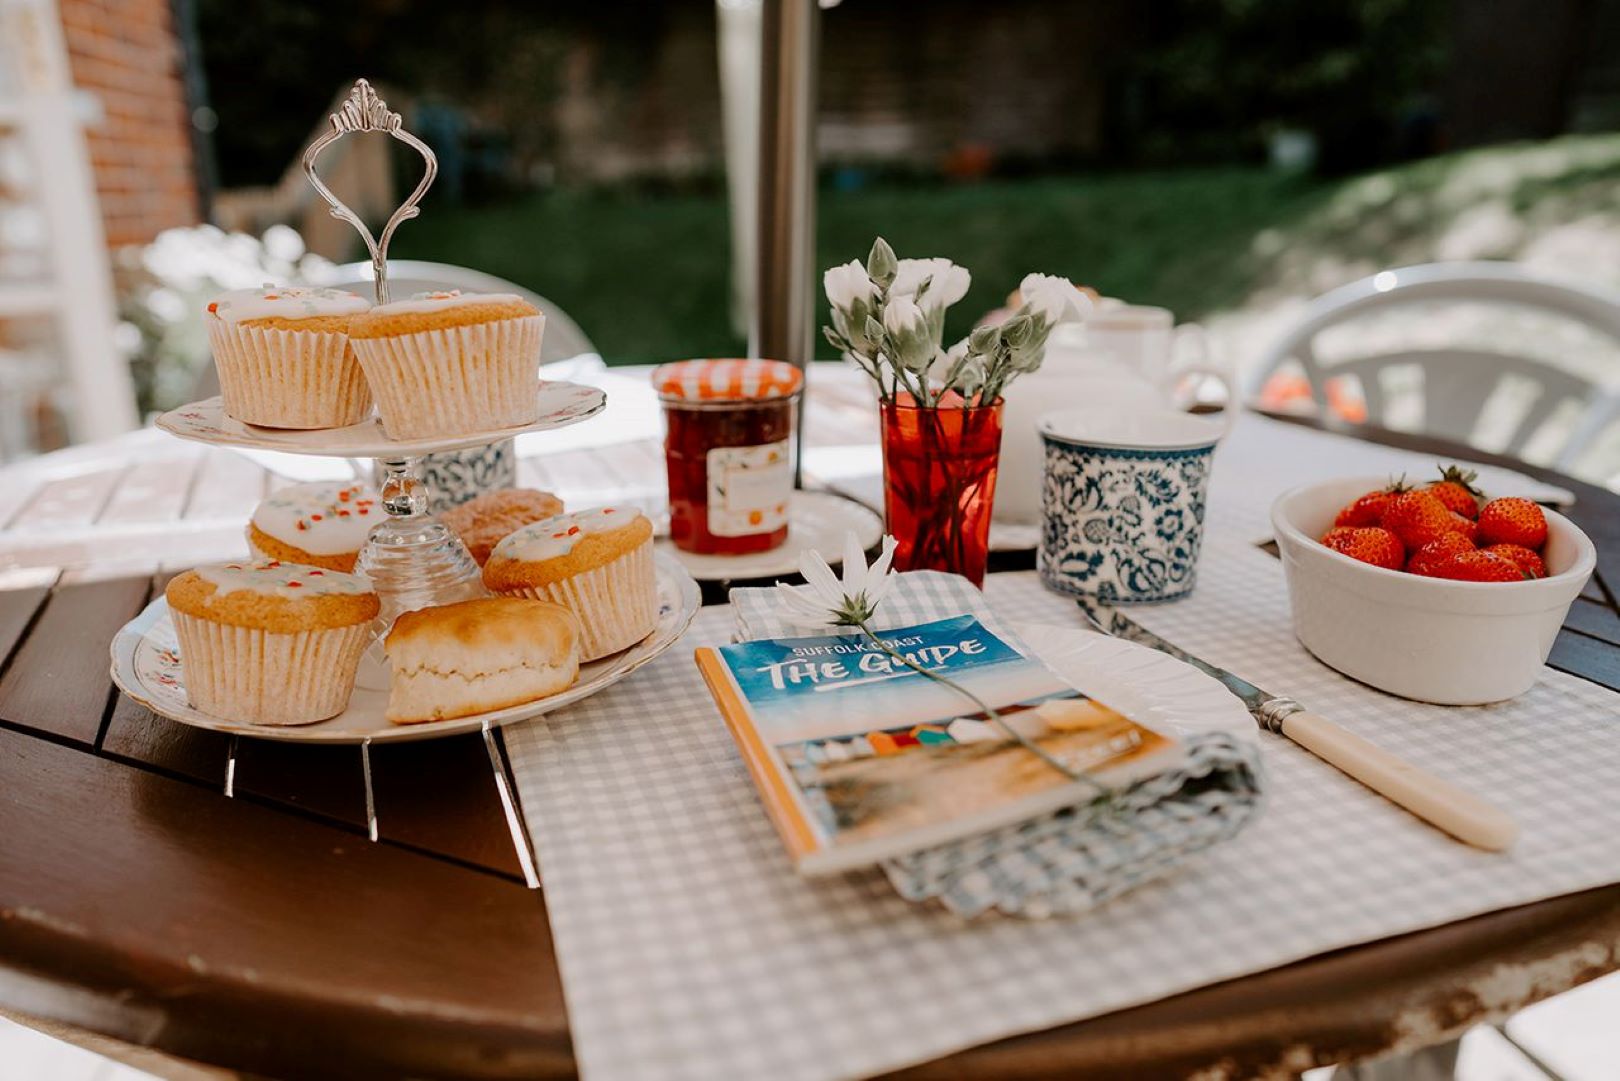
596,563
479,655
323,524
448,363
483,522
284,358
270,642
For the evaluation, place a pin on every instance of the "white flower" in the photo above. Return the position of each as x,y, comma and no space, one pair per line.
947,284
1054,299
825,602
847,284
902,317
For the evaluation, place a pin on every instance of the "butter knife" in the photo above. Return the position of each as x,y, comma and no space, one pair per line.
1440,803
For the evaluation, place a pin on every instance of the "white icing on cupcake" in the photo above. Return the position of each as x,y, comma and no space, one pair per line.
557,536
444,300
287,580
289,302
322,518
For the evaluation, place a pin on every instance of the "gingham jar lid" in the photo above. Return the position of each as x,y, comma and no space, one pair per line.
726,380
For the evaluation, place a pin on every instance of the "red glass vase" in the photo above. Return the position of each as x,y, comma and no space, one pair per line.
939,480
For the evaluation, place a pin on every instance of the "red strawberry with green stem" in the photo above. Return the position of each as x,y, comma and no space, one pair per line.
1456,490
1369,544
1512,521
1368,510
1527,561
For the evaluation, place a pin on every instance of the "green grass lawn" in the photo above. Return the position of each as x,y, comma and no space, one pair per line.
647,276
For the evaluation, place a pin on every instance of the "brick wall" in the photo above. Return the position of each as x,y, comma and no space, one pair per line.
127,53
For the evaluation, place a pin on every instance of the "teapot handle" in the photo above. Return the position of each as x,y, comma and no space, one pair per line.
1202,364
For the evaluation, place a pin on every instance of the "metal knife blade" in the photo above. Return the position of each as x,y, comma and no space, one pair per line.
1268,709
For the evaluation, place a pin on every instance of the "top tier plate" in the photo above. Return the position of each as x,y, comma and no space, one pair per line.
561,404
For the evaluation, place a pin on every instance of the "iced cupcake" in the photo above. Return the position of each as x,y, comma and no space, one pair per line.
450,363
270,643
597,563
284,359
323,524
484,521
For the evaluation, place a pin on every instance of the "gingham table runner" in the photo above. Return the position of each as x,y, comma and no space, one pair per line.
689,948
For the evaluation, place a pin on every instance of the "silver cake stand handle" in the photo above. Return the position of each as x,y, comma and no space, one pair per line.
412,559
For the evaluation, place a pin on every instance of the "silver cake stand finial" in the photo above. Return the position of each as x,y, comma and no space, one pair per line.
413,560
364,111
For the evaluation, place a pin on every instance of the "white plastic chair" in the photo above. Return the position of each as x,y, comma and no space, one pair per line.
562,340
1457,383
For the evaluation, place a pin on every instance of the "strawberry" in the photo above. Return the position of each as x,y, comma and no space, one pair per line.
1527,561
1512,521
1368,510
1456,490
1466,527
1478,566
1426,560
1370,544
1419,517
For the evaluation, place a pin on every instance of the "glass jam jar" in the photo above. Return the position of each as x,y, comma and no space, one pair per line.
728,447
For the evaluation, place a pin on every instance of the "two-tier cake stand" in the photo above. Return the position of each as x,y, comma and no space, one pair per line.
412,559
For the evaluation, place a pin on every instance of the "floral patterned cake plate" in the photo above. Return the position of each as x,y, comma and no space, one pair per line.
147,666
561,403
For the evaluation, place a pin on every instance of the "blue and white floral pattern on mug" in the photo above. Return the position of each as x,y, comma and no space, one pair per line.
455,476
1123,502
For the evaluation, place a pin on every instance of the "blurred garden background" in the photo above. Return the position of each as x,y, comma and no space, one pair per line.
1228,159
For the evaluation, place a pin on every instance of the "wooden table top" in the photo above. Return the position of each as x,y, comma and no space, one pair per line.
265,933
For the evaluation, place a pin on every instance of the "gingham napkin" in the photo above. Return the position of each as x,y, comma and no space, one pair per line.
1076,858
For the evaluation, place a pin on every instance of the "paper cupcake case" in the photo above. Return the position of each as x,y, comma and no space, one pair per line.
617,603
252,675
288,378
455,379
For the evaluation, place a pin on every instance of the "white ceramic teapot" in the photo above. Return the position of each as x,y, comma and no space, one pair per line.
1123,355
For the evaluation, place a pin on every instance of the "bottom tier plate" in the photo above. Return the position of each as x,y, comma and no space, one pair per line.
147,666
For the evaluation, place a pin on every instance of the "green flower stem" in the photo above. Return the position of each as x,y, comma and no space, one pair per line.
995,717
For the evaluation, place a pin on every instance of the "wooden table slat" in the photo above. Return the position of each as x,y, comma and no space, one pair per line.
321,780
1587,657
59,681
17,610
137,734
238,933
439,795
1594,619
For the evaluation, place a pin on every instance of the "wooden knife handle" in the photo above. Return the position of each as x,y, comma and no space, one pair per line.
1462,814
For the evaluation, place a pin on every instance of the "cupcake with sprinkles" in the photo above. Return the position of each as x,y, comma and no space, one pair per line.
321,524
284,356
448,363
270,642
596,563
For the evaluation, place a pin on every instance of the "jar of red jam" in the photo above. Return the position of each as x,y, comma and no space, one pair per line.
728,447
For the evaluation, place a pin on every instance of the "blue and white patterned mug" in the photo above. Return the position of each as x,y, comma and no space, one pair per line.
1122,501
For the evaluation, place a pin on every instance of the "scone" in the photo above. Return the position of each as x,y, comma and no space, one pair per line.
322,524
597,563
477,656
451,363
271,642
284,359
483,522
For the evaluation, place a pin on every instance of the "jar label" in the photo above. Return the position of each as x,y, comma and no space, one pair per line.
749,489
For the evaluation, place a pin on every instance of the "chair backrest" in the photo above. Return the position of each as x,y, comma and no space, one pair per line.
1458,383
563,338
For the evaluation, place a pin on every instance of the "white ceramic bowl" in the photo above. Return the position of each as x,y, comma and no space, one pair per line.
1456,643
